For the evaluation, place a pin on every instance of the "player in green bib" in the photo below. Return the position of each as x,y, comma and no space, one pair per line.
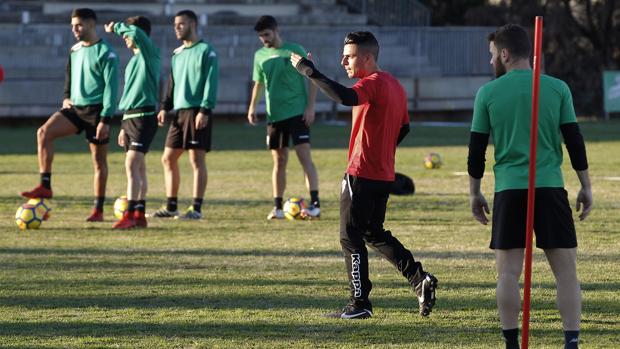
503,110
91,84
192,92
290,112
138,103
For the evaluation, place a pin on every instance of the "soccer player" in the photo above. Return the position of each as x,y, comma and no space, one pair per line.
503,109
138,103
192,92
290,112
91,84
380,122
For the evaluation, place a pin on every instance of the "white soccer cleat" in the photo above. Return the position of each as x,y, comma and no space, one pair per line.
275,213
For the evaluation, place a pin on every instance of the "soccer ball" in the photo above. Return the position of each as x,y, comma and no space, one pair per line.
120,206
293,208
26,217
42,207
432,160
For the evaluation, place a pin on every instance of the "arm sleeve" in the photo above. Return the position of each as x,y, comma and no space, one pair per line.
67,88
481,122
332,89
167,102
110,76
257,72
142,40
575,146
404,131
476,158
209,98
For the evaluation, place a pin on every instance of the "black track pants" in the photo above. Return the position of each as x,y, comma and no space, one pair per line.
362,212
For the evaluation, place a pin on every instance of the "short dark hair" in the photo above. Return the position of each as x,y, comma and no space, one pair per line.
140,22
84,13
513,38
189,14
365,41
266,22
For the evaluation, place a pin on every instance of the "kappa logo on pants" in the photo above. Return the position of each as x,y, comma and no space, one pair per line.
355,274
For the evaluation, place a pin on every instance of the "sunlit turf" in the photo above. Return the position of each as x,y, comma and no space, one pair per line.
236,280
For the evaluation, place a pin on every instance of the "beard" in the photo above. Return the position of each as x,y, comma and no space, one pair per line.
499,68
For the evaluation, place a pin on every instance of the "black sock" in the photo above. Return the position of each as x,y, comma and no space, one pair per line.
46,180
171,205
141,206
511,337
197,205
571,339
99,200
132,207
314,198
278,203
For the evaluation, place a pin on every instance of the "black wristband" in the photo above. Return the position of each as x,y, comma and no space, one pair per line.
206,111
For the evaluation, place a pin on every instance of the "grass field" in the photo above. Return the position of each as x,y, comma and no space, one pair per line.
236,280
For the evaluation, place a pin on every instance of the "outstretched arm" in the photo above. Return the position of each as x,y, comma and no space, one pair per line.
332,89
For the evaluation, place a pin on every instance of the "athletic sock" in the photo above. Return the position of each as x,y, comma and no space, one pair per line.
132,207
571,339
46,180
511,337
197,205
171,204
141,206
99,200
314,198
278,203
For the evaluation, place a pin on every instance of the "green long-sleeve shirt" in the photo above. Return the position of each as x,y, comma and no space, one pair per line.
92,76
141,74
194,78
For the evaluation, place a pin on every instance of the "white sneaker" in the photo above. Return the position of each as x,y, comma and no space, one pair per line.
311,212
276,213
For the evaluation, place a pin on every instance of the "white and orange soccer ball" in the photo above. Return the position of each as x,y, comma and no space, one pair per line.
294,207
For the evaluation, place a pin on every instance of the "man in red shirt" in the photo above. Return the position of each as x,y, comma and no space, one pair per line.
380,122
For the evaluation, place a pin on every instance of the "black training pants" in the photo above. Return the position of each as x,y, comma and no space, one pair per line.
362,212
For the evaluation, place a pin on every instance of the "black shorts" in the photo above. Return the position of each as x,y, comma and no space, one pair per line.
139,132
182,133
553,219
85,118
279,132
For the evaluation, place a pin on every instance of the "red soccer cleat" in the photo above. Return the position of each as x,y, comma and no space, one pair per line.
140,219
127,222
39,192
95,216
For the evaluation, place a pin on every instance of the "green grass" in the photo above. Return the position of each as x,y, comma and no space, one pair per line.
235,280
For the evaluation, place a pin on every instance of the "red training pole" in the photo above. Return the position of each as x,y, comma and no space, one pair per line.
531,187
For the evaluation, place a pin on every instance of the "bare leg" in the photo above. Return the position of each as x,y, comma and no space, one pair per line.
197,159
563,262
57,126
278,176
305,159
144,184
134,161
172,177
100,164
509,264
